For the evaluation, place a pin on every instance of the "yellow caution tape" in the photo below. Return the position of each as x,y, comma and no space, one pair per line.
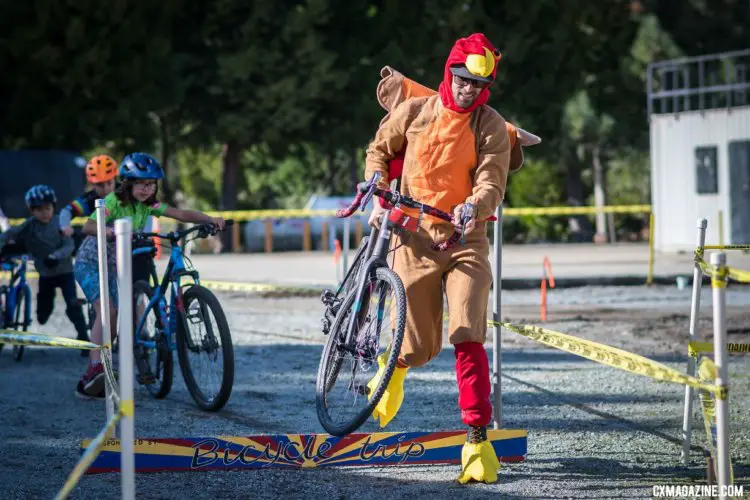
5,275
617,209
695,348
726,247
14,337
719,278
92,451
127,408
247,215
77,221
738,275
607,355
231,286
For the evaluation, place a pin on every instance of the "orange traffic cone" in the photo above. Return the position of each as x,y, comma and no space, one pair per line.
546,276
336,251
336,258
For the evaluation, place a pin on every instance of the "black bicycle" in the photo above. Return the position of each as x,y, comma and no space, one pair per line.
366,316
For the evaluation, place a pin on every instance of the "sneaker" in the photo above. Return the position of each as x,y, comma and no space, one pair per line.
146,378
82,394
93,381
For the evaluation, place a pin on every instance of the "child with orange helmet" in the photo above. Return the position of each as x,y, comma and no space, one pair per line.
101,171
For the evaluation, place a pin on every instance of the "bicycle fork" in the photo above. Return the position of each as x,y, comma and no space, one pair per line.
196,314
364,353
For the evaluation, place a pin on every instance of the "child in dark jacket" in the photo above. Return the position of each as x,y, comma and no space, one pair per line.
41,236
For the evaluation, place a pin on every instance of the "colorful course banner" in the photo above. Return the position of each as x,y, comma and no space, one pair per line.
303,451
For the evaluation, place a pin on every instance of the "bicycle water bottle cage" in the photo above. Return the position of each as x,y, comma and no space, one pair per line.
400,219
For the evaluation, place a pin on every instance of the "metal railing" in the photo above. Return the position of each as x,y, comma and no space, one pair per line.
699,83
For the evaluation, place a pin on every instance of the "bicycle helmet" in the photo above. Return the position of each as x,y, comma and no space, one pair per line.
101,168
140,166
39,195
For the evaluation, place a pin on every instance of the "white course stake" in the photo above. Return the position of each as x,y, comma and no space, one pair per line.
497,329
101,243
695,306
721,358
123,233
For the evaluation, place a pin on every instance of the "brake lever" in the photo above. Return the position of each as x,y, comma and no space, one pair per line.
467,213
371,185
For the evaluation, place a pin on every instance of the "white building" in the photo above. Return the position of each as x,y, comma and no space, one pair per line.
699,113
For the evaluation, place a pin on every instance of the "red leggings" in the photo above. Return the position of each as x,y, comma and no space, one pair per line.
473,376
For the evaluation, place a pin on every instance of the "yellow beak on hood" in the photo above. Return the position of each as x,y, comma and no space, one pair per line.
481,65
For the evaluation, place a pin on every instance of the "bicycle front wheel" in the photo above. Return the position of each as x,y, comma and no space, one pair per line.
204,348
345,398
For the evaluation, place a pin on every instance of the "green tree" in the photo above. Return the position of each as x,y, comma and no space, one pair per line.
81,74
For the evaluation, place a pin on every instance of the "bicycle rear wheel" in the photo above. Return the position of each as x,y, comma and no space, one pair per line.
204,348
21,318
343,399
158,360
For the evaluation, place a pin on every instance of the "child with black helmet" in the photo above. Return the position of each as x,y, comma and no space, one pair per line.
40,236
136,197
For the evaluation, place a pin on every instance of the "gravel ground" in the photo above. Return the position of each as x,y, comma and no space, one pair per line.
594,431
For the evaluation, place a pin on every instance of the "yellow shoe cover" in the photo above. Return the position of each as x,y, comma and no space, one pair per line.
393,396
478,463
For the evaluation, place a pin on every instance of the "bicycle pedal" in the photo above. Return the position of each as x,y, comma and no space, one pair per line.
361,390
148,379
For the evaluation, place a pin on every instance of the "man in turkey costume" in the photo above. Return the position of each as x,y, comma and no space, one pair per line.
449,149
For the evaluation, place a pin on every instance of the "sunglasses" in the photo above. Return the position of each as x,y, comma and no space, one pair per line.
464,82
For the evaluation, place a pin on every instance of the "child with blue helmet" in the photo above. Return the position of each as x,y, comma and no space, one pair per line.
136,197
40,236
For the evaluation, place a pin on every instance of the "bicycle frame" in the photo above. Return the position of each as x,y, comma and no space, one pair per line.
15,285
172,275
375,255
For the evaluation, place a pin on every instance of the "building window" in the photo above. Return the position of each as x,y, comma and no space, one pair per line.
706,170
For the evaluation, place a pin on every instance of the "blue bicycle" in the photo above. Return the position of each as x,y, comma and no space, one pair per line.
15,300
193,323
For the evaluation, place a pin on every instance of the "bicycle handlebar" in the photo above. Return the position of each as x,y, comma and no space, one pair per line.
368,189
205,229
13,260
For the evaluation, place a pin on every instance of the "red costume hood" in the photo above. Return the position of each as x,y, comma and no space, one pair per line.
478,45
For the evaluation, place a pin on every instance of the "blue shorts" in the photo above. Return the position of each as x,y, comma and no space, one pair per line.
87,276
